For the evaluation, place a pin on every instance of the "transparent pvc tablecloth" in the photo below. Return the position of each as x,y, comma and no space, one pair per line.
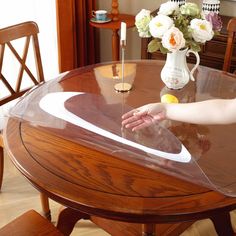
80,114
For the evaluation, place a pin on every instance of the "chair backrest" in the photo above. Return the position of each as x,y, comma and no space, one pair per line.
231,28
28,33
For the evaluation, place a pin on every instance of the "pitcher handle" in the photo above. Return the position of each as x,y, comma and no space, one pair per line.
197,62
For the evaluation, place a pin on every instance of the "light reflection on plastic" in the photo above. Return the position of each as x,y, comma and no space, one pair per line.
47,103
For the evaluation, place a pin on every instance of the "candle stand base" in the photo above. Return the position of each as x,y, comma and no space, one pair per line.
123,87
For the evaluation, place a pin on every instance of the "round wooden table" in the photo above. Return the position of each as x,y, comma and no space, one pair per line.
64,161
115,27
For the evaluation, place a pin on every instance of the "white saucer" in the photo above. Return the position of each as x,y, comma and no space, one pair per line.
94,20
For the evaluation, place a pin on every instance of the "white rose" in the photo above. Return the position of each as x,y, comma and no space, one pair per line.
142,20
143,13
173,39
201,30
168,8
159,25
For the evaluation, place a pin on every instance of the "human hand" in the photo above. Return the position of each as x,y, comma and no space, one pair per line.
144,116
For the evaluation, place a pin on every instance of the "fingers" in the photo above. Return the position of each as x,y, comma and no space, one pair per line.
128,114
132,116
129,120
141,126
133,124
143,116
136,122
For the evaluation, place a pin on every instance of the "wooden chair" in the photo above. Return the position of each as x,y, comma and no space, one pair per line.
15,88
30,224
231,28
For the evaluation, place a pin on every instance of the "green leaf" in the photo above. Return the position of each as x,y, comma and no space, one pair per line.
153,46
194,46
163,50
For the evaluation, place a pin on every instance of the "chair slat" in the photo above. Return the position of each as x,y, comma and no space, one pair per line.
22,64
39,66
2,50
21,71
29,31
8,86
231,28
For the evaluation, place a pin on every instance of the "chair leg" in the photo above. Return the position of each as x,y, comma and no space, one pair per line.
148,229
222,224
43,197
1,166
45,206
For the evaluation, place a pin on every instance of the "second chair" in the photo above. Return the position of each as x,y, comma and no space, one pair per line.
14,88
231,28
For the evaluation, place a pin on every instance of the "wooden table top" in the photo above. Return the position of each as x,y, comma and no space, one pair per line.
72,166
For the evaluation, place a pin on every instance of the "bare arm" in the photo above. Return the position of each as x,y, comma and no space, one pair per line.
216,111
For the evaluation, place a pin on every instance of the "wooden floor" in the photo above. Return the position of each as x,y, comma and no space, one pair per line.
18,196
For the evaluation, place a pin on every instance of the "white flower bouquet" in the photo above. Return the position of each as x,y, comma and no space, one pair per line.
175,28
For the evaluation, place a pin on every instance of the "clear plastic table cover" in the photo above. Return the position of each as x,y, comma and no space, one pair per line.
92,121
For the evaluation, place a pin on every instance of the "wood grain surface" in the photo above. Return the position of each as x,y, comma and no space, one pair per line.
90,180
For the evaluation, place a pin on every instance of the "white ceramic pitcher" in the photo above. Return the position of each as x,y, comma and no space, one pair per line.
175,73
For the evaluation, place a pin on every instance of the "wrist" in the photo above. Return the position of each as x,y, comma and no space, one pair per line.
167,110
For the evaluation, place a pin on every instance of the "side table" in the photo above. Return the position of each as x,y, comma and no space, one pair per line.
115,26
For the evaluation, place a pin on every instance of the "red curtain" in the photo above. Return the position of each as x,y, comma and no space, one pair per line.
78,42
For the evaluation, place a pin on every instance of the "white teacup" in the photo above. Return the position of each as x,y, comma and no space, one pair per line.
100,15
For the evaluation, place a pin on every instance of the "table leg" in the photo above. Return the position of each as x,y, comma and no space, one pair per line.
222,224
115,45
45,206
68,218
1,165
148,229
